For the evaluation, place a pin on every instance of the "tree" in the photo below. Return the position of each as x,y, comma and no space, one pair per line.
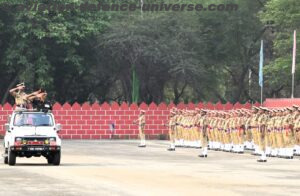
283,18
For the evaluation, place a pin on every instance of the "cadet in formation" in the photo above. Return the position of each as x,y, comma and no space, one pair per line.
141,123
268,132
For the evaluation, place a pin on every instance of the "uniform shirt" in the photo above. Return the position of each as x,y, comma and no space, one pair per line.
20,98
141,120
287,121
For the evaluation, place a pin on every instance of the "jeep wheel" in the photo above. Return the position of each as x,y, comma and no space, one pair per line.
56,158
50,159
6,157
11,157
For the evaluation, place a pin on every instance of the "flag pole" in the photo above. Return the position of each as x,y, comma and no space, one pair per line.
294,65
250,75
260,75
261,95
293,83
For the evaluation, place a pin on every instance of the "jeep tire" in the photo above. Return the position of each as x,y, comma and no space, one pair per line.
50,159
56,158
6,157
11,157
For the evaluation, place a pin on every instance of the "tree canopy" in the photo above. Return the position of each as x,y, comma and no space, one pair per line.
163,56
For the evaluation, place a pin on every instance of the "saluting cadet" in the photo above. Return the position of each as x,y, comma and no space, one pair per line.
294,119
255,129
297,133
141,123
262,122
268,132
221,131
203,125
234,132
241,131
214,128
248,135
279,133
178,128
172,123
288,135
226,132
272,134
197,142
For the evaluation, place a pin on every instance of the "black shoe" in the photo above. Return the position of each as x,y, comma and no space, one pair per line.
171,149
260,160
202,156
241,152
142,146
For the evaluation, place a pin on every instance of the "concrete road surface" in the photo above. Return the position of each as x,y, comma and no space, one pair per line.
120,168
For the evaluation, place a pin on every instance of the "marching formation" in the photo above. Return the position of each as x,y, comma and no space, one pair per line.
268,132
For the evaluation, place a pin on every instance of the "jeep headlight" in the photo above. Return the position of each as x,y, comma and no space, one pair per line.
18,139
52,139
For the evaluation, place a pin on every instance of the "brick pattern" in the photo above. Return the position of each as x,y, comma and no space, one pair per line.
93,121
284,102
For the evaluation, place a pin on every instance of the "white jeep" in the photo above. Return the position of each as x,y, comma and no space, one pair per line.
32,133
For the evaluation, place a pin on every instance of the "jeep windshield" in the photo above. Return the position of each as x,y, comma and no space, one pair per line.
33,119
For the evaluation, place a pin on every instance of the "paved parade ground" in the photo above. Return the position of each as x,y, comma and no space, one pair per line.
120,168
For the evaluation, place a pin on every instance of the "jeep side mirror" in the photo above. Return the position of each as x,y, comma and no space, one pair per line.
8,118
7,127
58,127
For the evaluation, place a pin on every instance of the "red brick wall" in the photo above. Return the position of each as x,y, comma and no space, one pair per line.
92,121
284,102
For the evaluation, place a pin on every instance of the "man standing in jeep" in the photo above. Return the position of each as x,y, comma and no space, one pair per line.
22,99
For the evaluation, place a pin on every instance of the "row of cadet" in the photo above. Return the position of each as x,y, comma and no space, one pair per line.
268,132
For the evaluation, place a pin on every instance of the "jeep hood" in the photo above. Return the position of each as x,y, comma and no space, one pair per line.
34,131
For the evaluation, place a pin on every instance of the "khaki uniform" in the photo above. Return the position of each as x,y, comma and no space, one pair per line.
241,132
297,135
172,127
288,136
141,123
279,135
203,127
262,120
21,100
248,134
255,132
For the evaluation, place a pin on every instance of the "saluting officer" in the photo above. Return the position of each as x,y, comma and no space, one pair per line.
22,99
141,123
203,125
172,124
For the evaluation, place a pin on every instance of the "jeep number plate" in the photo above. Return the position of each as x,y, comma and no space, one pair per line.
35,148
